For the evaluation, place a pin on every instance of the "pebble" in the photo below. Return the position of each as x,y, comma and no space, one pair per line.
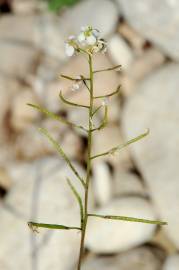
101,14
136,41
127,183
40,193
120,52
141,258
155,106
172,262
102,183
162,30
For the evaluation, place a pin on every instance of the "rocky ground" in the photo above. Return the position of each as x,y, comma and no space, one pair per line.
140,181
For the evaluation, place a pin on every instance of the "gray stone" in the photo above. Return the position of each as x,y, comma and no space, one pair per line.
101,14
155,106
120,52
39,193
136,259
172,262
109,236
162,29
126,183
102,182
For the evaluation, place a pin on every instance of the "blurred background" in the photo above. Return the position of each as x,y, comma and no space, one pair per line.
141,181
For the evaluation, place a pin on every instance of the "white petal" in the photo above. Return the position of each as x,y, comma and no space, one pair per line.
69,50
81,37
91,40
71,37
84,28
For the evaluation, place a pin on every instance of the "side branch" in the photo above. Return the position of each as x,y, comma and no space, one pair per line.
111,94
74,79
34,225
121,146
62,153
71,103
105,119
131,219
55,116
78,198
107,69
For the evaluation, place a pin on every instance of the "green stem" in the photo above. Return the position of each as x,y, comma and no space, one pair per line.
83,232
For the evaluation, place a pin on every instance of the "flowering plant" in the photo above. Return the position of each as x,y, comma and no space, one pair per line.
88,42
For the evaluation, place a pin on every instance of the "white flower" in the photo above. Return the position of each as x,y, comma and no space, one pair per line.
69,49
91,40
84,28
81,37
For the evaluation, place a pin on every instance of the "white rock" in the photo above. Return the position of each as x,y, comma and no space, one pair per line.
146,64
28,250
155,105
137,259
109,236
162,30
133,37
101,14
48,29
102,182
172,262
120,52
40,193
126,183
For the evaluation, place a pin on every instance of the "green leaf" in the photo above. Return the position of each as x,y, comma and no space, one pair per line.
131,219
55,116
121,146
34,225
62,153
55,5
77,196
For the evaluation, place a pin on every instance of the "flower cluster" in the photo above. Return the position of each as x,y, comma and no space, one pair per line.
88,41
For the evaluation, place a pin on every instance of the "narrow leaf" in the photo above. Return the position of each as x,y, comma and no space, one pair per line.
110,94
34,225
121,146
79,200
107,69
105,120
62,153
54,116
71,103
130,219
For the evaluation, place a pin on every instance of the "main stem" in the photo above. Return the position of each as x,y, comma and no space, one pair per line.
85,217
